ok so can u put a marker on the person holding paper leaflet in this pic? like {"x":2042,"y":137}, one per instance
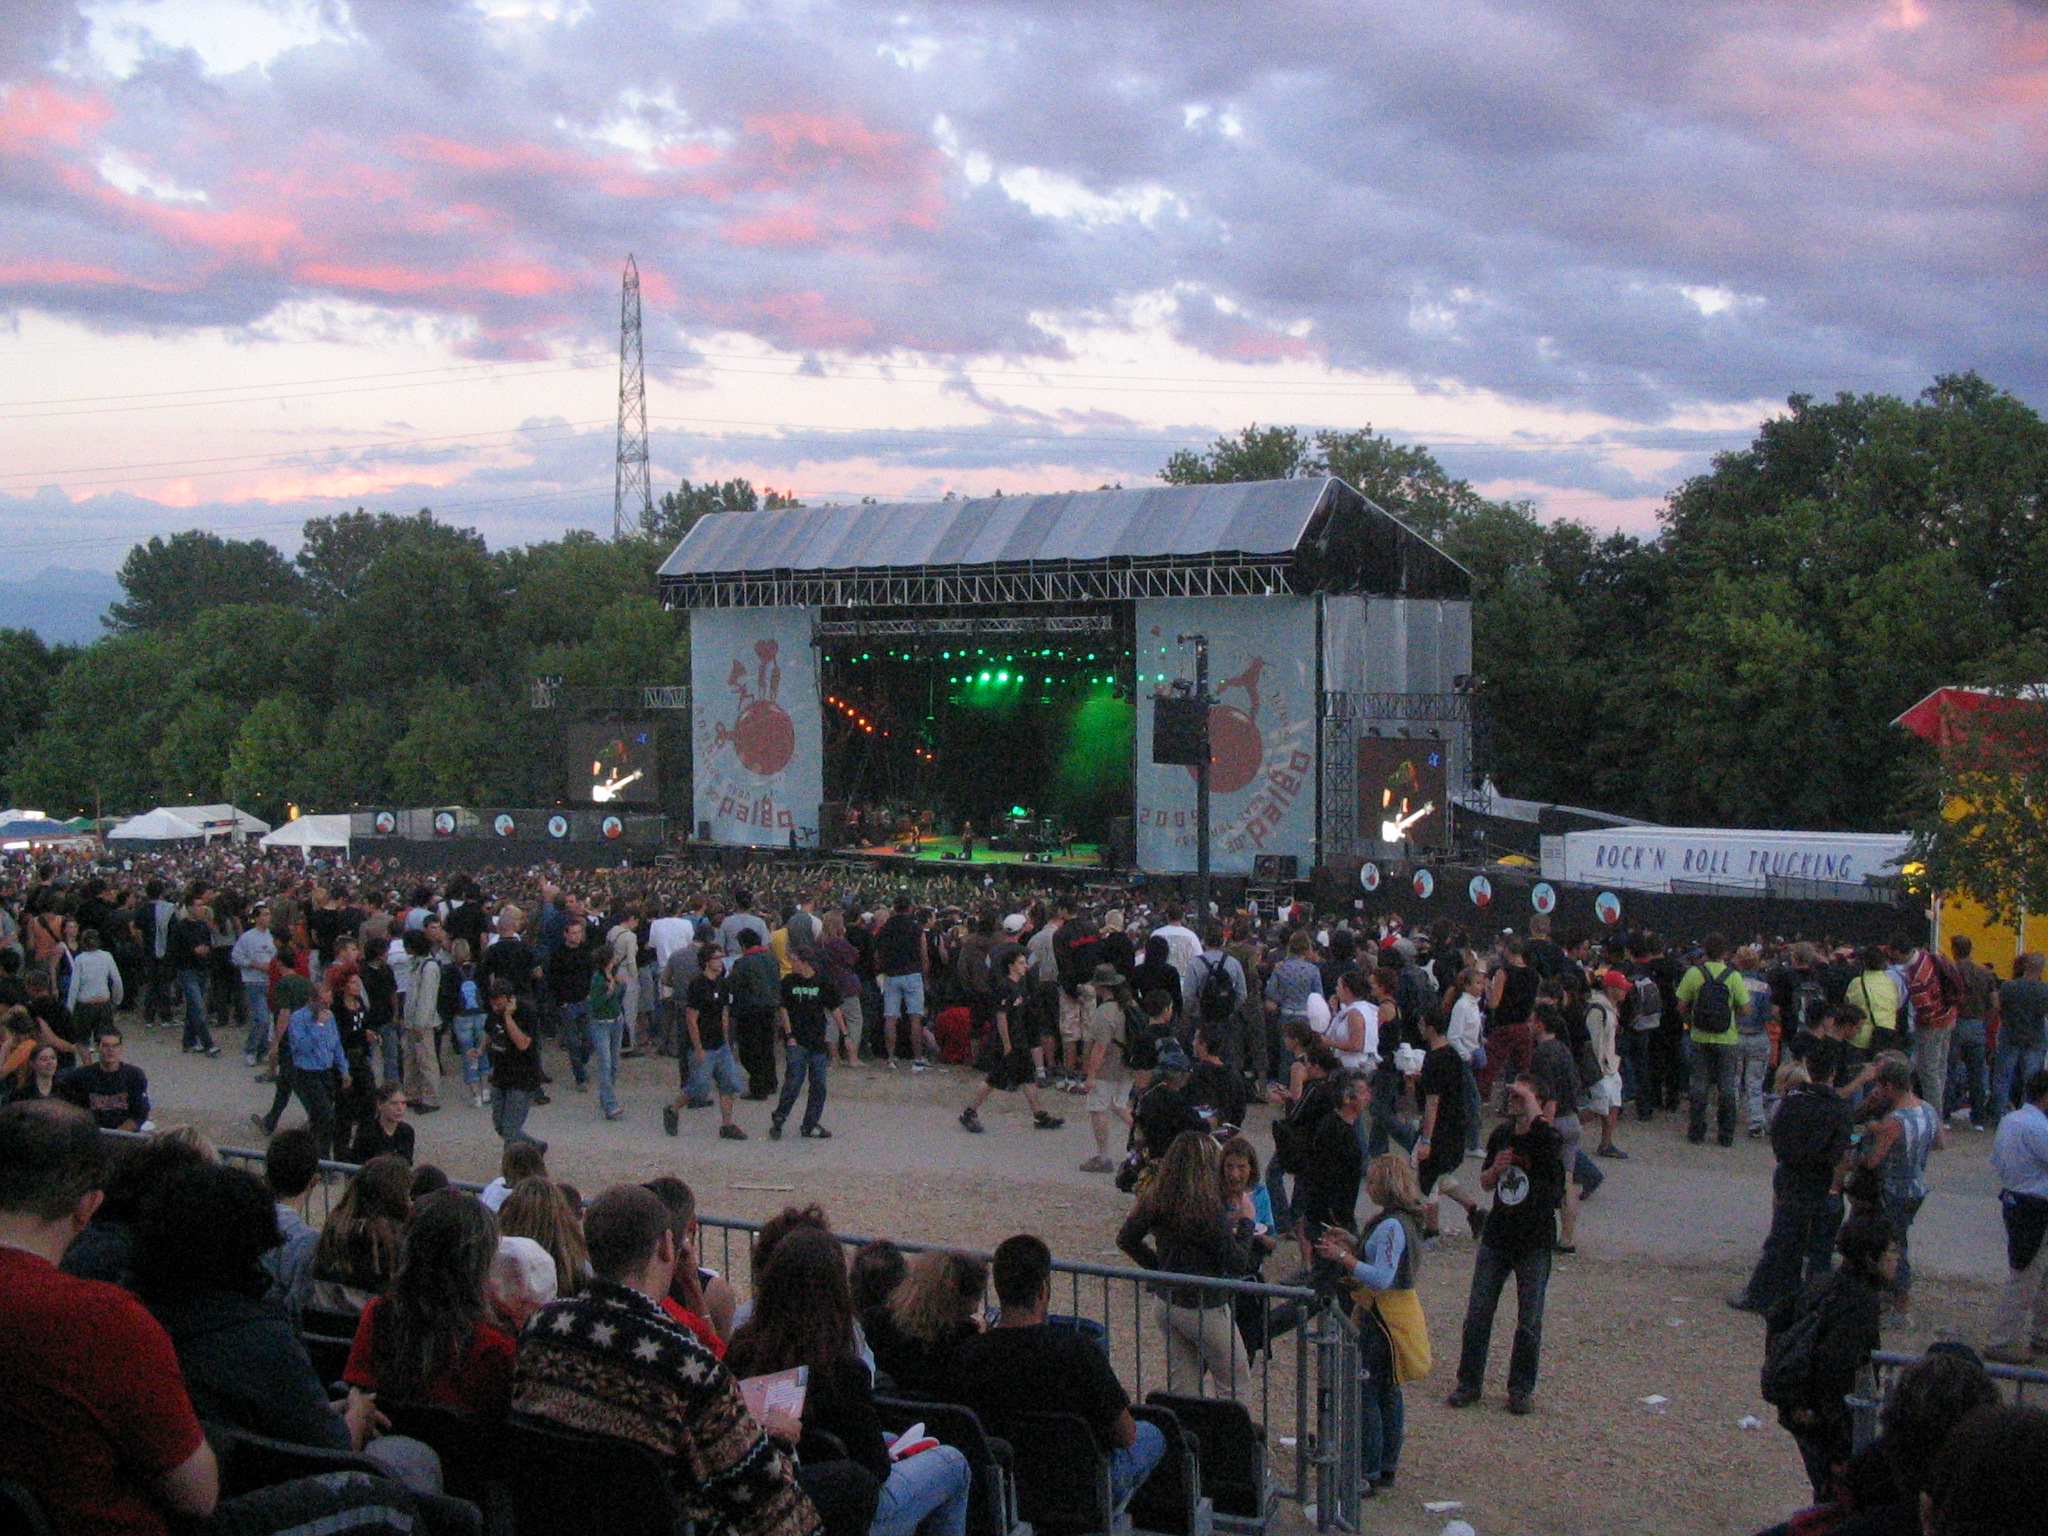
{"x":803,"y":1317}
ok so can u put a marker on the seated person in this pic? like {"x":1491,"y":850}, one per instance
{"x":522,"y":1281}
{"x":803,"y":1316}
{"x":242,"y":1361}
{"x":918,"y":1332}
{"x":522,"y":1160}
{"x":357,"y":1254}
{"x":1986,"y":1478}
{"x":1022,"y":1365}
{"x":610,"y":1362}
{"x":697,"y":1297}
{"x":94,"y":1421}
{"x":114,"y":1092}
{"x":429,"y":1339}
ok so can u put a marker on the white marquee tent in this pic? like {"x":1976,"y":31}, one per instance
{"x":309,"y":833}
{"x":157,"y":826}
{"x":181,"y":823}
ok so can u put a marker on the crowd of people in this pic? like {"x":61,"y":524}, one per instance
{"x":1389,"y":1059}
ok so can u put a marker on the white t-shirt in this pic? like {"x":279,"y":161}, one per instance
{"x":1368,"y":1014}
{"x":667,"y":935}
{"x":1467,"y":1028}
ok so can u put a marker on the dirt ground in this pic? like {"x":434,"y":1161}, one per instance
{"x":1623,"y":1324}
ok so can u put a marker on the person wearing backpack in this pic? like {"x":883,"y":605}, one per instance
{"x":1819,"y":1339}
{"x":462,"y":1000}
{"x":1711,"y":995}
{"x":1219,"y":993}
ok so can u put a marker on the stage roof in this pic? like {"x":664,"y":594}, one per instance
{"x":1241,"y":539}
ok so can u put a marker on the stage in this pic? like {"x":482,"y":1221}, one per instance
{"x":946,"y":851}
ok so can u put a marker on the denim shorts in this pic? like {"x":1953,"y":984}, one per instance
{"x":903,"y":994}
{"x":718,"y":1067}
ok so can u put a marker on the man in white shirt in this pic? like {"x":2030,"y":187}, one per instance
{"x":670,"y":935}
{"x":1182,"y":948}
{"x":2020,"y":1329}
{"x":1467,"y":1034}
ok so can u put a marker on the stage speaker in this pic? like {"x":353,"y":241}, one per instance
{"x":833,"y":827}
{"x":1275,"y":866}
{"x":1180,"y":733}
{"x":703,"y":831}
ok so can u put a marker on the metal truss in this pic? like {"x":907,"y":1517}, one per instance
{"x":1424,"y":708}
{"x":550,"y":693}
{"x":1065,"y":581}
{"x":1340,"y":787}
{"x":953,"y":627}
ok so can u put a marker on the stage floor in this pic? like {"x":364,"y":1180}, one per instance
{"x":936,"y":850}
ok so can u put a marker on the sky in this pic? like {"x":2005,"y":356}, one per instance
{"x":266,"y":259}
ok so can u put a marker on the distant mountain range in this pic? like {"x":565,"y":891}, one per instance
{"x":59,"y":603}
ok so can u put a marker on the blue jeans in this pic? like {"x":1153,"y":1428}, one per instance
{"x":258,"y":1042}
{"x":718,"y":1069}
{"x":2015,"y":1065}
{"x":802,"y":1063}
{"x":1383,"y":1415}
{"x":1968,"y":1074}
{"x":1383,"y":1125}
{"x":573,"y":1020}
{"x":1471,"y":1108}
{"x":1899,"y":1210}
{"x":391,"y":1050}
{"x":607,"y":1037}
{"x":198,"y":1029}
{"x":469,"y":1039}
{"x":1490,"y":1272}
{"x":509,"y":1109}
{"x":927,"y":1491}
{"x":1276,"y":1191}
{"x":1129,"y":1467}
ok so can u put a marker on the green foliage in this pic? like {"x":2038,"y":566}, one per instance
{"x":1743,"y":667}
{"x":1984,"y":832}
{"x":263,"y":764}
{"x":452,"y":749}
{"x":679,"y":509}
{"x":97,"y":740}
{"x":27,"y":669}
{"x":190,"y":759}
{"x":171,"y":581}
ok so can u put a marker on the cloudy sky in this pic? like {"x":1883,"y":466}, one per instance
{"x":266,"y":258}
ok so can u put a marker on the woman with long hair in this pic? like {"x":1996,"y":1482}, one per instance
{"x":358,"y":1248}
{"x":803,"y":1316}
{"x":1393,"y":1334}
{"x":918,"y":1331}
{"x":537,"y":1209}
{"x":429,"y":1338}
{"x":1182,"y":1225}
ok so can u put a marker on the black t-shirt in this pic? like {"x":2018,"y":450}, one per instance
{"x":371,"y":1141}
{"x":1212,"y":1085}
{"x":182,"y":942}
{"x":896,"y":946}
{"x":380,"y":989}
{"x":807,"y":999}
{"x":1551,"y":1064}
{"x":1162,"y":1114}
{"x":512,"y":1067}
{"x":109,"y":1097}
{"x":2022,"y":1006}
{"x":468,"y":920}
{"x":1517,"y":995}
{"x":1327,"y":1190}
{"x":709,"y":1000}
{"x":1443,"y":1074}
{"x":1040,"y":1369}
{"x":514,"y":961}
{"x":350,"y":1024}
{"x":569,"y":968}
{"x":1831,"y":1062}
{"x":1526,"y":1198}
{"x":323,"y":927}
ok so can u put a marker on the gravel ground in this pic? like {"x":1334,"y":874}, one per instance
{"x":1638,"y":1312}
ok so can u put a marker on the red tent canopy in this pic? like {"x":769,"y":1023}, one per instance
{"x":1935,"y":718}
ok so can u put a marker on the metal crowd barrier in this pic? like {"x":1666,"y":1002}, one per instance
{"x":1874,"y":1384}
{"x":1304,"y":1389}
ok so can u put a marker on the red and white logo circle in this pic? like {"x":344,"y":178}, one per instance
{"x":1543,"y":898}
{"x":558,"y":826}
{"x":1369,"y":875}
{"x":1480,"y":890}
{"x":611,"y":826}
{"x":386,"y":823}
{"x":444,"y":823}
{"x":503,"y":825}
{"x":1607,"y":907}
{"x":1425,"y":884}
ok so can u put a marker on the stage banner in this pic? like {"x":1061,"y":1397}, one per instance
{"x":757,"y":739}
{"x":1262,"y":731}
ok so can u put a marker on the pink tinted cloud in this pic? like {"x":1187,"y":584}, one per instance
{"x":41,"y":115}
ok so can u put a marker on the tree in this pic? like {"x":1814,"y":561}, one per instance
{"x":97,"y":739}
{"x":243,"y":652}
{"x":1256,"y":453}
{"x":190,"y":759}
{"x":338,"y":554}
{"x":348,"y":767}
{"x":27,"y":669}
{"x":678,"y":510}
{"x":426,"y":606}
{"x":263,"y":765}
{"x":1984,"y":835}
{"x":450,"y":750}
{"x":171,"y":581}
{"x":1402,"y":479}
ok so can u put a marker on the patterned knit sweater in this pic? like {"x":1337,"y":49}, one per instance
{"x":611,"y":1362}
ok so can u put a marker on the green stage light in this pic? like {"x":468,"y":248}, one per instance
{"x":1002,"y":677}
{"x":984,"y":677}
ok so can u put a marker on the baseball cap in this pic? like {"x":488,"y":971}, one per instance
{"x":1614,"y":979}
{"x":1014,"y":923}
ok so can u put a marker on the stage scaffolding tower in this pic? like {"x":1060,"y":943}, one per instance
{"x":632,"y":491}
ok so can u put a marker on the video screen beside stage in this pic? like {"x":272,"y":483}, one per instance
{"x":1402,"y":787}
{"x":613,"y":763}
